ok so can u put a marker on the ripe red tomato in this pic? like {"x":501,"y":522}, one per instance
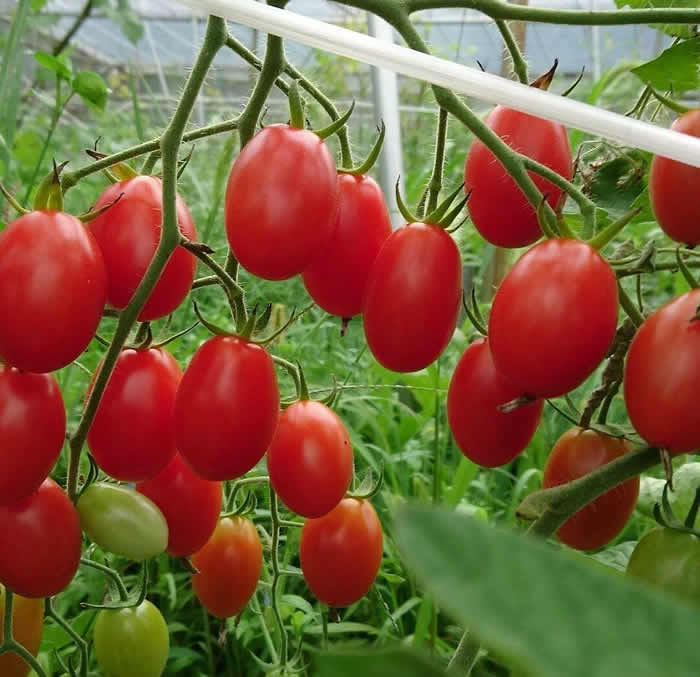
{"x":281,"y":201}
{"x":412,"y":300}
{"x":310,"y":459}
{"x":27,"y":628}
{"x":227,"y":408}
{"x":670,"y":185}
{"x":133,"y":434}
{"x":577,"y":453}
{"x":190,"y":504}
{"x":41,"y":542}
{"x":484,"y":434}
{"x":229,"y":567}
{"x":338,"y":275}
{"x":662,"y":376}
{"x":341,"y":552}
{"x":553,"y":318}
{"x":128,"y":234}
{"x":52,"y":290}
{"x":499,"y":209}
{"x":32,"y":430}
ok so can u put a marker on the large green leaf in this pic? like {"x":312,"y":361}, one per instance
{"x":547,"y":614}
{"x":61,"y":67}
{"x":672,"y":29}
{"x":377,"y":664}
{"x":676,"y":69}
{"x":91,"y":88}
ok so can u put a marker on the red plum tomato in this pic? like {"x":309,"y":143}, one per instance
{"x":673,"y":187}
{"x":133,"y":434}
{"x":577,"y":453}
{"x":413,"y":295}
{"x":32,"y":430}
{"x":662,"y":376}
{"x":190,"y":504}
{"x":41,"y":543}
{"x":229,"y":567}
{"x":227,"y":408}
{"x":484,"y":434}
{"x":128,"y":234}
{"x":52,"y":290}
{"x":310,"y":460}
{"x":341,"y":552}
{"x":498,"y":208}
{"x":27,"y":628}
{"x":337,"y":277}
{"x":553,"y":318}
{"x":281,"y":201}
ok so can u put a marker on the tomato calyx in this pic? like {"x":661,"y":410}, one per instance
{"x":369,"y":486}
{"x":336,"y":125}
{"x":602,"y":238}
{"x":126,"y":600}
{"x":472,"y":311}
{"x":372,"y":156}
{"x":517,"y":403}
{"x":545,"y":80}
{"x":121,"y":171}
{"x":49,"y":195}
{"x":92,"y":214}
{"x":442,"y":216}
{"x":665,"y":516}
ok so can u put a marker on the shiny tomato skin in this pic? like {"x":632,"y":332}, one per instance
{"x":227,"y":408}
{"x":577,"y":453}
{"x":662,"y":376}
{"x":32,"y":430}
{"x":413,"y":295}
{"x":498,"y":208}
{"x":131,"y":642}
{"x":554,"y":317}
{"x":128,"y":234}
{"x":52,"y":290}
{"x":310,"y":460}
{"x":190,"y":504}
{"x":281,"y":201}
{"x":133,"y":434}
{"x":27,"y":628}
{"x":41,"y":544}
{"x":341,"y":552}
{"x":338,"y":275}
{"x":484,"y":434}
{"x":671,"y":184}
{"x":229,"y":567}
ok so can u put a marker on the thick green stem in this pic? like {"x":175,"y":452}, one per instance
{"x":519,"y":64}
{"x":276,"y":576}
{"x":435,"y":185}
{"x":214,"y":39}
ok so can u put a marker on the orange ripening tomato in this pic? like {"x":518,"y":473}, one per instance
{"x":27,"y":626}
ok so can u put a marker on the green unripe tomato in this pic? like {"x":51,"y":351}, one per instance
{"x":122,"y":521}
{"x":131,"y":642}
{"x":669,"y":560}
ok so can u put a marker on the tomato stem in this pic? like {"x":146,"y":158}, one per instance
{"x":12,"y":201}
{"x":296,"y":106}
{"x":50,"y":612}
{"x":519,"y":63}
{"x":435,"y":183}
{"x":276,"y":575}
{"x":371,"y":158}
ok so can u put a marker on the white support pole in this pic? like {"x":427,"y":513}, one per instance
{"x":386,"y":107}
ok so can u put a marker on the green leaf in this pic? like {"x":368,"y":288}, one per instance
{"x":677,"y":68}
{"x":37,"y":5}
{"x":60,"y":67}
{"x":549,"y":615}
{"x":127,"y":20}
{"x":91,"y":88}
{"x":377,"y":664}
{"x":681,"y":30}
{"x":618,"y":183}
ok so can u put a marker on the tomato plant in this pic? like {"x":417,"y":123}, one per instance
{"x":27,"y":628}
{"x":413,"y":295}
{"x":670,"y":184}
{"x":41,"y":544}
{"x":553,"y":318}
{"x":229,"y":567}
{"x":310,"y":459}
{"x":227,"y":407}
{"x":498,"y":208}
{"x":281,"y":201}
{"x":662,"y":376}
{"x":483,"y":433}
{"x":341,"y":552}
{"x":131,"y":642}
{"x":577,"y":453}
{"x":190,"y":505}
{"x":141,"y":390}
{"x":337,"y":277}
{"x":128,"y":234}
{"x":29,"y":451}
{"x":50,"y":303}
{"x":122,"y":521}
{"x":669,"y":560}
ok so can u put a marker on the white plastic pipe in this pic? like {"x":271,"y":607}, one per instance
{"x":459,"y":78}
